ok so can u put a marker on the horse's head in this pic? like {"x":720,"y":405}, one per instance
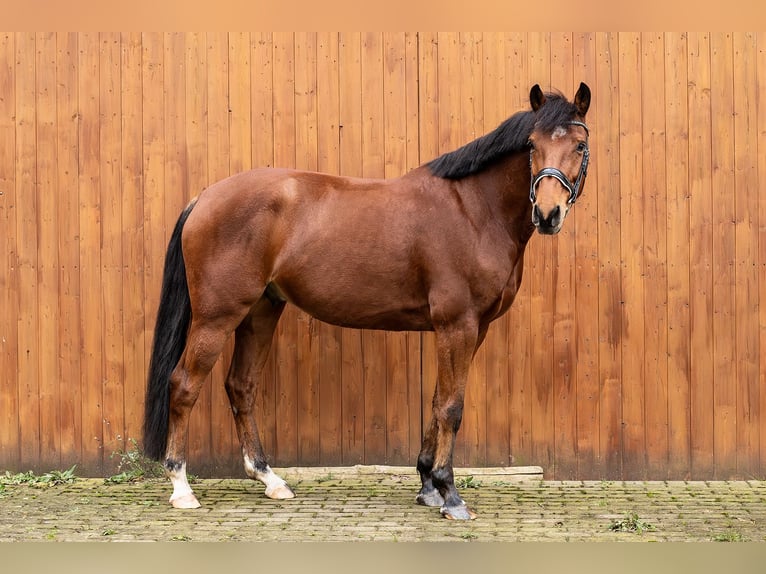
{"x":558,"y":155}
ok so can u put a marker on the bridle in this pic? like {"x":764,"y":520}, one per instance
{"x":574,"y":190}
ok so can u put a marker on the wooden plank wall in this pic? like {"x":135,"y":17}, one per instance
{"x":633,"y":349}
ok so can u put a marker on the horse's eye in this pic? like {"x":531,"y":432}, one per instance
{"x":531,"y":145}
{"x":581,"y":147}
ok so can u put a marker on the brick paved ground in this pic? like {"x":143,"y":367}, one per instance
{"x":374,"y":504}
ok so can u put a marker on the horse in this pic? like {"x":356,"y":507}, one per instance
{"x":439,"y":249}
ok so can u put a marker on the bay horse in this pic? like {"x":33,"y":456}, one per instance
{"x":439,"y":249}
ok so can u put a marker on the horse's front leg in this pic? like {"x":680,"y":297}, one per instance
{"x":456,"y":344}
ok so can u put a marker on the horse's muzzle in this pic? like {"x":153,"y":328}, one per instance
{"x":550,"y":224}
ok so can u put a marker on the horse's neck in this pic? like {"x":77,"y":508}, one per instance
{"x":506,"y":186}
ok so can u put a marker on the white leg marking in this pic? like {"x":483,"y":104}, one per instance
{"x":182,"y":496}
{"x":276,"y":487}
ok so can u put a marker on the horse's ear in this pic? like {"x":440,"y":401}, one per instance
{"x":536,"y":97}
{"x":582,"y":99}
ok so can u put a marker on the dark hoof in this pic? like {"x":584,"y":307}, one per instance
{"x":460,"y":512}
{"x":429,"y":498}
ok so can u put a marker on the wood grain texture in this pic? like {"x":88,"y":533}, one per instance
{"x":678,"y":254}
{"x":700,"y":256}
{"x":10,"y":424}
{"x":655,"y":379}
{"x":633,"y":349}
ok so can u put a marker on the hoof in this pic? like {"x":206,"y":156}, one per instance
{"x":280,"y":492}
{"x":461,"y":512}
{"x":185,"y":501}
{"x":429,"y":498}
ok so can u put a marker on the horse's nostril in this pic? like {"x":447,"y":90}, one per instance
{"x":552,"y":220}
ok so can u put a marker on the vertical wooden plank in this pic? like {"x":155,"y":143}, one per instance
{"x":111,"y":247}
{"x":471,"y":105}
{"x":394,"y":165}
{"x":450,"y":133}
{"x":10,"y":438}
{"x":428,"y":117}
{"x":350,"y":96}
{"x":760,"y":59}
{"x":91,"y":312}
{"x":223,"y":434}
{"x":373,"y":166}
{"x":678,"y":245}
{"x":284,"y":96}
{"x":539,"y":270}
{"x":519,"y":316}
{"x":308,"y":328}
{"x":700,"y":255}
{"x":586,"y":283}
{"x":240,"y":128}
{"x":746,"y":193}
{"x":200,"y":446}
{"x":633,"y":258}
{"x":724,"y":212}
{"x":414,"y":347}
{"x":261,"y":99}
{"x":288,"y":331}
{"x":174,"y":110}
{"x":240,"y":159}
{"x":26,"y":244}
{"x":655,"y":253}
{"x":47,"y":269}
{"x":174,"y":125}
{"x":495,"y":107}
{"x":261,"y":104}
{"x":450,"y":137}
{"x":606,"y":156}
{"x":328,"y":161}
{"x":133,"y":288}
{"x":153,"y":150}
{"x":564,"y":299}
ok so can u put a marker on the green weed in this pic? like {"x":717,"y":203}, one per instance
{"x":464,"y":535}
{"x":52,"y":478}
{"x":467,"y":482}
{"x":728,"y":536}
{"x":134,"y":466}
{"x":631,"y":523}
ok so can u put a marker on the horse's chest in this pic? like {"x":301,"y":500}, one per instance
{"x":505,"y":292}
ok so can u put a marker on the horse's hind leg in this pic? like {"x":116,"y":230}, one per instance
{"x":251,"y":349}
{"x":203,"y":346}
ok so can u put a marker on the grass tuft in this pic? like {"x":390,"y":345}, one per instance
{"x":467,"y":482}
{"x":52,"y":478}
{"x":134,"y":466}
{"x":631,"y":523}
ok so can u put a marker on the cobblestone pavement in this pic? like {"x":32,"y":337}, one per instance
{"x":375,"y":503}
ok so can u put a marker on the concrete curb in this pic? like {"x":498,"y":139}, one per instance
{"x":503,"y":473}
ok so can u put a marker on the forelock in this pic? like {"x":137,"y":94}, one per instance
{"x":557,"y":112}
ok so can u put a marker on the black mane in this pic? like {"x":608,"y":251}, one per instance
{"x":510,"y":136}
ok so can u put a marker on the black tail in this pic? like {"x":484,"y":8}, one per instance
{"x":173,"y":317}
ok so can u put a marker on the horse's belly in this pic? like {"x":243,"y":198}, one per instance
{"x":361,"y":309}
